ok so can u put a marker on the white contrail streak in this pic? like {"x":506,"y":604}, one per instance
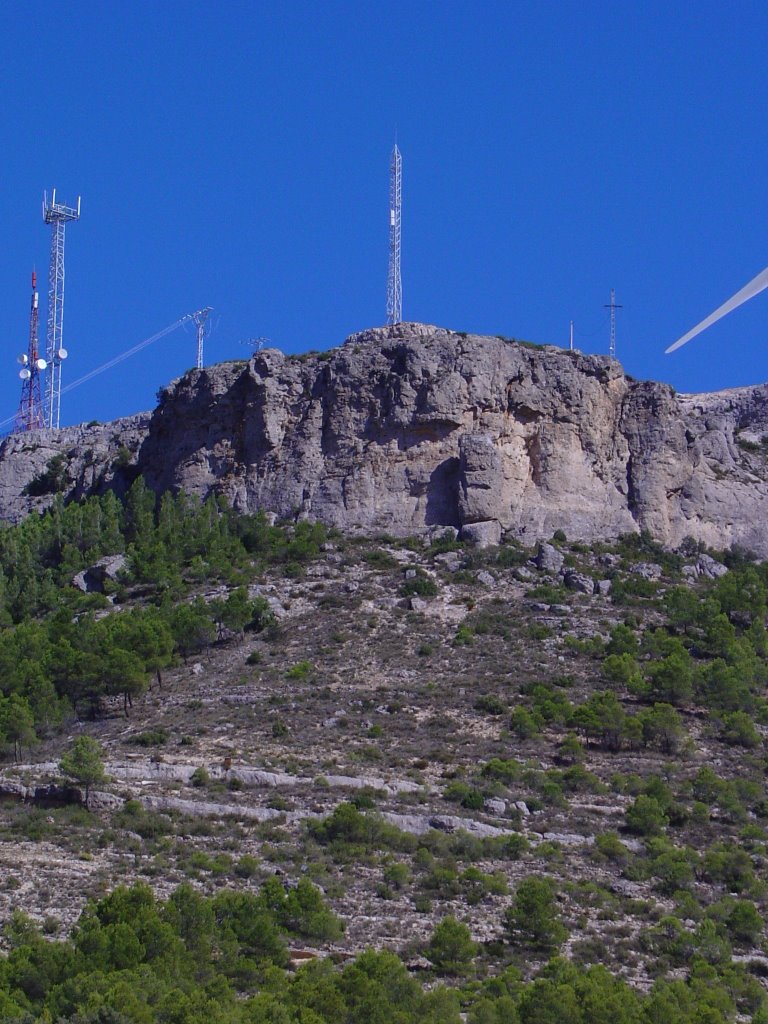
{"x":756,"y":285}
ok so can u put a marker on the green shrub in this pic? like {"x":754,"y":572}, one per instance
{"x":150,"y":738}
{"x":570,"y":750}
{"x":419,"y":586}
{"x":506,"y":771}
{"x":623,"y":641}
{"x":347,"y":828}
{"x":247,"y":866}
{"x":490,"y":704}
{"x":451,"y":948}
{"x":464,"y":794}
{"x":523,"y":724}
{"x":464,"y":636}
{"x":738,"y":730}
{"x":645,"y":817}
{"x":301,"y":671}
{"x":52,"y":480}
{"x":623,"y":671}
{"x":533,"y":919}
{"x":396,"y":875}
{"x":611,"y":847}
{"x":380,"y":559}
{"x":662,"y":726}
{"x":200,"y":777}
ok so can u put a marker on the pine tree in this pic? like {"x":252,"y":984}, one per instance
{"x":83,"y":763}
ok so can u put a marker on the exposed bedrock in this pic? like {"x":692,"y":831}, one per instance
{"x":413,"y":426}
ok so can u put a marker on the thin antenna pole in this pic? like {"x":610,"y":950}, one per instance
{"x":613,"y":307}
{"x":571,"y":337}
{"x":394,"y":280}
{"x":56,"y":215}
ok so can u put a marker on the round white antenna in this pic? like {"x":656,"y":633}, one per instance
{"x":25,"y":374}
{"x":22,"y":359}
{"x":40,"y":364}
{"x":62,"y":353}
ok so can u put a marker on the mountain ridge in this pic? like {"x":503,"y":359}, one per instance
{"x":408,"y":427}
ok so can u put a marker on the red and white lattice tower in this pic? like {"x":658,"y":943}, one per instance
{"x":31,"y":415}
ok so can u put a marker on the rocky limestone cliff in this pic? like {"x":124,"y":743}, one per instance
{"x":412,"y":426}
{"x":74,"y":461}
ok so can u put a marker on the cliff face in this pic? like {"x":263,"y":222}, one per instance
{"x":411,"y":426}
{"x":74,"y":461}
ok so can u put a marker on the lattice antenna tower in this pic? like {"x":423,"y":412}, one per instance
{"x":394,"y":280}
{"x":31,"y":414}
{"x":56,"y":215}
{"x":200,"y":319}
{"x":255,"y":344}
{"x":613,"y":307}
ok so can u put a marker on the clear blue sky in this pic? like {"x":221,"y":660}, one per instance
{"x":236,"y":155}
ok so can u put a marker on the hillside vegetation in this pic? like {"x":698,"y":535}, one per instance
{"x":512,"y":786}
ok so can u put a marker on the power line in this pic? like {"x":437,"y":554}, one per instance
{"x":119,"y":359}
{"x":128,"y":354}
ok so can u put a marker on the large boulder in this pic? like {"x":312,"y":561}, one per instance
{"x":579,"y":582}
{"x":482,"y":535}
{"x":549,"y":559}
{"x":93,"y":579}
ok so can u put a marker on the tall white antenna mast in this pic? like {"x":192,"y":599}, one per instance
{"x":394,"y":281}
{"x":755,"y":286}
{"x":200,"y":318}
{"x":570,"y":345}
{"x":57,"y":215}
{"x":613,"y":307}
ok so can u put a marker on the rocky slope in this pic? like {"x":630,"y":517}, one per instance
{"x":405,"y":706}
{"x":410,"y":426}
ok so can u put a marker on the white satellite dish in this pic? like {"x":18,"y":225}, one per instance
{"x":755,"y":286}
{"x":40,"y":364}
{"x":22,"y":359}
{"x":25,"y":374}
{"x":62,"y":353}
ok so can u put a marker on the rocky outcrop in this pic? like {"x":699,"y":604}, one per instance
{"x":409,"y":427}
{"x":94,"y":578}
{"x":37,"y":465}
